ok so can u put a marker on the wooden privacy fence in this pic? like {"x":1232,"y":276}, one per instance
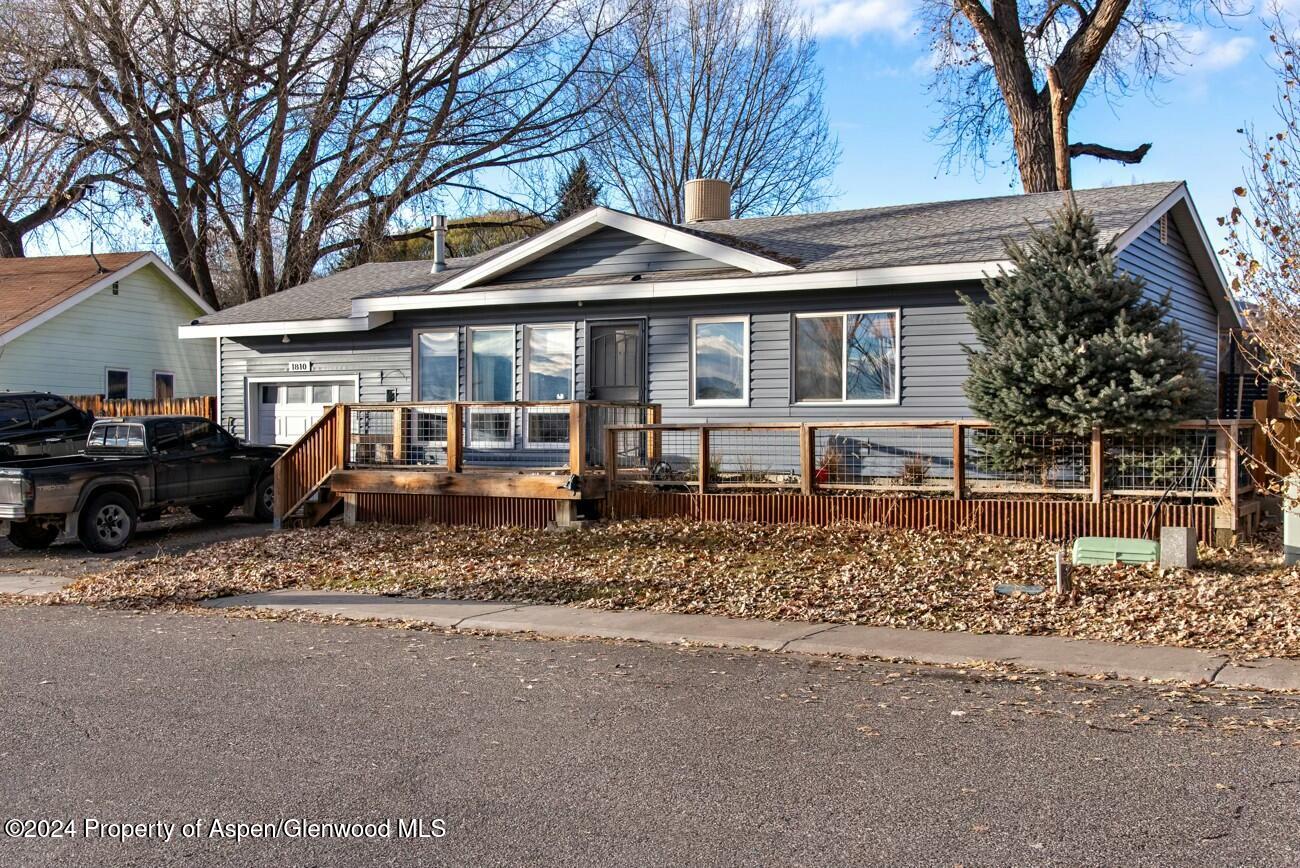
{"x":203,"y":405}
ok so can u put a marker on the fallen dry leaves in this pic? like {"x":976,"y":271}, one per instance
{"x":1242,"y":602}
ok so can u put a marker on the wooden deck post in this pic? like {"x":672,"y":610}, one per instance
{"x":654,"y":415}
{"x":455,"y":447}
{"x":1097,"y":466}
{"x":1225,"y":484}
{"x":280,"y":486}
{"x":704,"y":459}
{"x":807,"y":459}
{"x":341,"y":425}
{"x":958,"y":461}
{"x":577,"y":437}
{"x":611,"y":459}
{"x":399,"y":434}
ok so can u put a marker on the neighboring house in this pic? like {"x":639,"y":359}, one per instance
{"x":841,"y":315}
{"x":101,"y":325}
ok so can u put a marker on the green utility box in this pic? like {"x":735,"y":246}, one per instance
{"x":1102,"y":550}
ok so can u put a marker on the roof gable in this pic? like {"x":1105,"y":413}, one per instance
{"x":667,"y":243}
{"x":35,"y":289}
{"x":609,"y":251}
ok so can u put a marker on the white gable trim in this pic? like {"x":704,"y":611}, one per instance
{"x":569,"y":231}
{"x":650,"y":288}
{"x":1179,"y":206}
{"x":103,"y":284}
{"x":362,"y":323}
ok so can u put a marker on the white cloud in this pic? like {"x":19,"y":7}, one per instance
{"x":1210,"y":55}
{"x":852,"y":19}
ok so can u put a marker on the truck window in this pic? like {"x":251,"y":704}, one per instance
{"x":13,"y":414}
{"x":50,"y":413}
{"x":167,"y":438}
{"x":126,"y":436}
{"x":202,"y":436}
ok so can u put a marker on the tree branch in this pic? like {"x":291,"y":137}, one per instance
{"x":1101,"y":152}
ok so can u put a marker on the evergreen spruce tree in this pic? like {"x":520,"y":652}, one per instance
{"x":1069,"y":342}
{"x":578,"y":192}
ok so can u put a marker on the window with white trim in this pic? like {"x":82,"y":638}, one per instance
{"x":491,"y":378}
{"x":720,"y":360}
{"x":846,"y":357}
{"x":116,"y":383}
{"x":548,"y":376}
{"x":437,"y":364}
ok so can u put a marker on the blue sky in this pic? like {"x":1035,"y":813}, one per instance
{"x":878,"y":105}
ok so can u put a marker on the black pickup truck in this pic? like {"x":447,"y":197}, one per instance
{"x":134,"y":468}
{"x":40,"y":425}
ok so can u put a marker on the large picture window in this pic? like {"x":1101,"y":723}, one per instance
{"x":436,"y":364}
{"x":548,"y":362}
{"x":491,"y":378}
{"x":846,"y":357}
{"x":720,"y":360}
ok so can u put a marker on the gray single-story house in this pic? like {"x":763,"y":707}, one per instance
{"x":844,"y":315}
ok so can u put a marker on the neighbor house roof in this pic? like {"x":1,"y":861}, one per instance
{"x":892,"y":241}
{"x":36,"y":288}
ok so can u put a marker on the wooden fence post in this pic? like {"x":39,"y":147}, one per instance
{"x":958,"y":461}
{"x":1225,"y":484}
{"x":704,"y":459}
{"x":455,"y":447}
{"x":1097,"y":466}
{"x":341,"y":422}
{"x":399,"y":434}
{"x":807,"y":459}
{"x":577,"y":437}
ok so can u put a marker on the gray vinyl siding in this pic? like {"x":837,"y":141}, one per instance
{"x":1167,"y":267}
{"x":610,"y":251}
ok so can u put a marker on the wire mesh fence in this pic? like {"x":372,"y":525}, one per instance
{"x":1012,"y":462}
{"x":753,"y":458}
{"x":1179,"y":462}
{"x":667,"y":459}
{"x":398,"y":436}
{"x":884,"y":458}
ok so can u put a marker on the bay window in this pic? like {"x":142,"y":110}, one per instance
{"x":720,"y":360}
{"x":846,"y":357}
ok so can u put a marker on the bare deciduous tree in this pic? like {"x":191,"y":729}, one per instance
{"x":724,"y":89}
{"x":293,"y":131}
{"x":48,"y":162}
{"x":1019,"y":68}
{"x":1264,"y":241}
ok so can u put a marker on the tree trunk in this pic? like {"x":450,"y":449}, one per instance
{"x":11,"y":241}
{"x":1035,"y":153}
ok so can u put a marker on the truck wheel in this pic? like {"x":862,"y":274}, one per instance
{"x":212,"y":511}
{"x":107,"y":523}
{"x":27,"y":535}
{"x":264,"y":499}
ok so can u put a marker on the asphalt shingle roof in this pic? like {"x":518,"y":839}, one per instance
{"x":932,"y":233}
{"x":31,"y":285}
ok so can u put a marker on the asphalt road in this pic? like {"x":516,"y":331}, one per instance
{"x":589,"y":753}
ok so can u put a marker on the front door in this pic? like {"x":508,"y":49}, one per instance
{"x":616,"y":361}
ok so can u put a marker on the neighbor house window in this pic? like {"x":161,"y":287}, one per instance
{"x":846,"y":357}
{"x":115,"y":383}
{"x":491,"y":378}
{"x":548,"y":376}
{"x":720,"y":360}
{"x":164,"y":385}
{"x":436,"y":357}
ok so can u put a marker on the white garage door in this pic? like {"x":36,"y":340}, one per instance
{"x":286,"y":410}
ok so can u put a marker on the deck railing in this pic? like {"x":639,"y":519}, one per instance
{"x":305,"y":465}
{"x":960,"y":458}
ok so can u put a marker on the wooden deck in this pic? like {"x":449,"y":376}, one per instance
{"x":433,"y":462}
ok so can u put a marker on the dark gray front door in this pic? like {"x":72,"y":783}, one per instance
{"x":616,"y":361}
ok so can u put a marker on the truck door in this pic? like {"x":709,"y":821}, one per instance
{"x":215,"y":473}
{"x":171,"y":462}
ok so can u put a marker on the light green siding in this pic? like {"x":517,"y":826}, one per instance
{"x":134,"y":330}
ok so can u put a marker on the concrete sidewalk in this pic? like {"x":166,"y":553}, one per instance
{"x":23,"y":585}
{"x":1045,"y":653}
